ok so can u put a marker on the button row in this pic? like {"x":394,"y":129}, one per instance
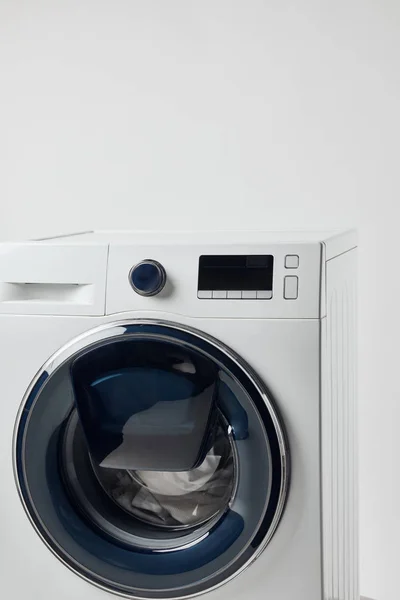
{"x":236,"y":294}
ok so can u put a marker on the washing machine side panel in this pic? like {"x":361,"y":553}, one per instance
{"x":339,"y":431}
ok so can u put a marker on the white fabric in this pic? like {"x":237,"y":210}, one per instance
{"x":182,"y":483}
{"x":172,"y":499}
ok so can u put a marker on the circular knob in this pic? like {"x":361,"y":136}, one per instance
{"x":147,"y":277}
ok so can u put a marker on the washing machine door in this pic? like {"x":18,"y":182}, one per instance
{"x":150,"y":459}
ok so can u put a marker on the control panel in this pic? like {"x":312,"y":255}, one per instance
{"x":236,"y":277}
{"x":221,"y":280}
{"x":244,"y":277}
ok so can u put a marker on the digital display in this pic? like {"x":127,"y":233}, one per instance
{"x":240,"y":272}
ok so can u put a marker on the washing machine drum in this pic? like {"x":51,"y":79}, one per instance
{"x":151,"y":460}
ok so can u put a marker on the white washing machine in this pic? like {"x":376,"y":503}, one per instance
{"x":178,"y":413}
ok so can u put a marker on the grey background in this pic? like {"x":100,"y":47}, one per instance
{"x":222,"y":114}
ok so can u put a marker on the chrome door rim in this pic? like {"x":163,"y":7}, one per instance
{"x":102,"y":333}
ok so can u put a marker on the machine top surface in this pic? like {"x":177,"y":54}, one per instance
{"x":336,"y":241}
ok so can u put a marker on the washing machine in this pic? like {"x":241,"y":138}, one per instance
{"x":178,"y":416}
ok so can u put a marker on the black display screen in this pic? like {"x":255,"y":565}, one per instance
{"x":240,"y":272}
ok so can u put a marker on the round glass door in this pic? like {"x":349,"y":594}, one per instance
{"x":151,"y":460}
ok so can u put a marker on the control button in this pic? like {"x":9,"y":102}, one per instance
{"x":264,"y":294}
{"x":147,"y":278}
{"x":234,"y":294}
{"x":291,"y":261}
{"x":219,"y":294}
{"x":204,"y":294}
{"x":291,"y":286}
{"x":248,"y":294}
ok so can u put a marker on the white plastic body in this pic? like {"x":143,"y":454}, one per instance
{"x":303,"y":350}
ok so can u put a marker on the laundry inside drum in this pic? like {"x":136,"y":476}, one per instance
{"x":176,"y":500}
